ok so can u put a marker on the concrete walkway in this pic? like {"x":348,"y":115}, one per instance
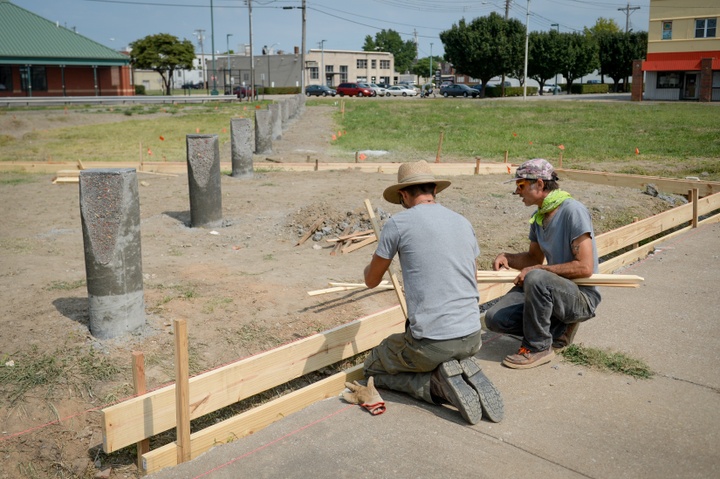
{"x":562,"y":421}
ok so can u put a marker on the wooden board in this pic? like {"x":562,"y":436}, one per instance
{"x":253,"y":420}
{"x":665,"y":185}
{"x":145,"y":416}
{"x":600,"y":279}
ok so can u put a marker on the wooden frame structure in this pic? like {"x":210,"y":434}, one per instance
{"x":148,"y":414}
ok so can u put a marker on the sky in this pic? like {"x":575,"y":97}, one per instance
{"x":336,"y":24}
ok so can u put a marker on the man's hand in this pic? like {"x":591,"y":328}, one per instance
{"x":366,"y":396}
{"x":501,"y":262}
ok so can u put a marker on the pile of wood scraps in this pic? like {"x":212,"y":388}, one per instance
{"x":347,"y":243}
{"x":337,"y":287}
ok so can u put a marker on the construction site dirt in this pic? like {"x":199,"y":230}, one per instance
{"x":242,"y":288}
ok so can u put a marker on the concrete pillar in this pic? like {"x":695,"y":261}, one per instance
{"x":203,"y":165}
{"x":636,"y":93}
{"x":706,"y":80}
{"x":263,"y":132}
{"x":276,"y":120}
{"x":285,"y":114}
{"x":110,"y":216}
{"x":241,"y":147}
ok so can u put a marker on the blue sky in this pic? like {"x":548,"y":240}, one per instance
{"x":343,"y":24}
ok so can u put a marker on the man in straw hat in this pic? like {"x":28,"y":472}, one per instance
{"x":545,"y":306}
{"x":434,"y":359}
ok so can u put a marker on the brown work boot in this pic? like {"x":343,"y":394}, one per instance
{"x":566,"y":338}
{"x":448,"y":386}
{"x":525,"y":359}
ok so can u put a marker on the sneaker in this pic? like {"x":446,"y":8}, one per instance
{"x":566,"y":338}
{"x":447,"y":384}
{"x":525,"y":359}
{"x":490,"y":398}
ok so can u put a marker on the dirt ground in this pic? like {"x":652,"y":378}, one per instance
{"x":242,"y":288}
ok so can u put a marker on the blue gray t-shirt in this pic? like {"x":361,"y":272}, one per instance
{"x":437,"y":249}
{"x":570,"y":221}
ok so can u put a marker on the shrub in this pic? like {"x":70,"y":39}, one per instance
{"x":139,"y":89}
{"x":584,"y":88}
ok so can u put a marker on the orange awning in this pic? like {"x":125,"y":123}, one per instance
{"x":679,"y":61}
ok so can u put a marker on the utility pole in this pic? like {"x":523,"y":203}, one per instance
{"x":227,"y":45}
{"x":252,"y":55}
{"x":507,"y":15}
{"x":199,"y":34}
{"x":555,"y":90}
{"x":527,"y":38}
{"x":212,"y":43}
{"x":416,"y":45}
{"x":302,"y":52}
{"x":628,"y":10}
{"x":323,"y":77}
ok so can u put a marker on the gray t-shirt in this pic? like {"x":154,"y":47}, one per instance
{"x":437,"y":249}
{"x":571,"y":221}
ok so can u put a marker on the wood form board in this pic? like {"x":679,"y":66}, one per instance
{"x":138,"y":418}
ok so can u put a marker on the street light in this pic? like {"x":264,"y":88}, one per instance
{"x":212,"y":41}
{"x":227,"y":46}
{"x":555,"y":90}
{"x":302,"y":48}
{"x":322,"y":61}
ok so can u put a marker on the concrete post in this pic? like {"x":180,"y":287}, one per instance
{"x":110,"y":216}
{"x":203,"y":165}
{"x":241,"y":147}
{"x":263,"y":132}
{"x":276,"y":121}
{"x":285,"y":114}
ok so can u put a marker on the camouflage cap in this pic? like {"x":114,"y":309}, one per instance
{"x":535,"y":169}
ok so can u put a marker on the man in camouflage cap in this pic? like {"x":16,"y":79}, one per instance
{"x":545,"y":306}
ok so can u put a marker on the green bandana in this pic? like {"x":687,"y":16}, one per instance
{"x":551,"y":201}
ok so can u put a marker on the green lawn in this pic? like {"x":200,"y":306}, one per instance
{"x":672,"y":139}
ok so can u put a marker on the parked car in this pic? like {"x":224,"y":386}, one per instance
{"x":192,"y":86}
{"x":353,"y":89}
{"x":548,"y":88}
{"x":593,"y":82}
{"x":458,"y":89}
{"x":242,"y":91}
{"x":365,"y":85}
{"x":319,"y":90}
{"x":383,"y":85}
{"x":380,"y":90}
{"x":400,"y":90}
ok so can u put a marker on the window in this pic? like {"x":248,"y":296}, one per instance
{"x":343,"y":73}
{"x":314,"y":73}
{"x":667,"y":31}
{"x":384,"y":64}
{"x":705,"y":27}
{"x":668,"y":80}
{"x":38,"y":78}
{"x":6,"y":84}
{"x":373,"y":64}
{"x":361,"y":64}
{"x":329,"y":69}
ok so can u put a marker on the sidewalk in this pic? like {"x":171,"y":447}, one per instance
{"x":561,"y":420}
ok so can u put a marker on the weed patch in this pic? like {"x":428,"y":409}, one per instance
{"x":607,"y":361}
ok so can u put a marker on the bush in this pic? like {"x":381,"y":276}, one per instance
{"x":280,"y":90}
{"x":496,"y":91}
{"x":139,"y":89}
{"x":589,"y":88}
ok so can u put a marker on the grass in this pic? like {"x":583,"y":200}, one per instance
{"x":607,"y":361}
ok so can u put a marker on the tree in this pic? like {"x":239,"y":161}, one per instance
{"x":486,"y":47}
{"x":390,"y":41}
{"x":602,"y":26}
{"x":422,"y":67}
{"x":163,"y":53}
{"x":580,"y":56}
{"x":617,"y":52}
{"x":545,"y":56}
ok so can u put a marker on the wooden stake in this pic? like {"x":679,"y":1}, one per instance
{"x":437,"y":157}
{"x":391,"y":270}
{"x":694,"y":197}
{"x":316,"y":165}
{"x":561,"y":154}
{"x":309,"y":232}
{"x":357,"y":153}
{"x":506,"y":156}
{"x":182,"y":391}
{"x":138,"y":371}
{"x":477,"y":166}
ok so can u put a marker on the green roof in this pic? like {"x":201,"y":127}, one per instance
{"x":26,"y":38}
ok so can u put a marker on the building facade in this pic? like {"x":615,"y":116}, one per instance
{"x":41,"y":58}
{"x":332,"y":67}
{"x":683,"y":56}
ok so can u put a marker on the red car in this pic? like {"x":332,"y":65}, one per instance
{"x":354,"y":89}
{"x":242,"y":91}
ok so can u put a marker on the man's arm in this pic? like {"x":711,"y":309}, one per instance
{"x":533,"y":256}
{"x":375,"y":271}
{"x":580,"y":267}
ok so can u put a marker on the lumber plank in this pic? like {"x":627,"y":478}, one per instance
{"x":310,"y":231}
{"x":358,"y":245}
{"x":635,"y":232}
{"x":150,"y":414}
{"x":598,"y":279}
{"x":666,"y":185}
{"x":253,"y":420}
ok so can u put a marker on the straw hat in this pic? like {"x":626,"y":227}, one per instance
{"x":410,"y":174}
